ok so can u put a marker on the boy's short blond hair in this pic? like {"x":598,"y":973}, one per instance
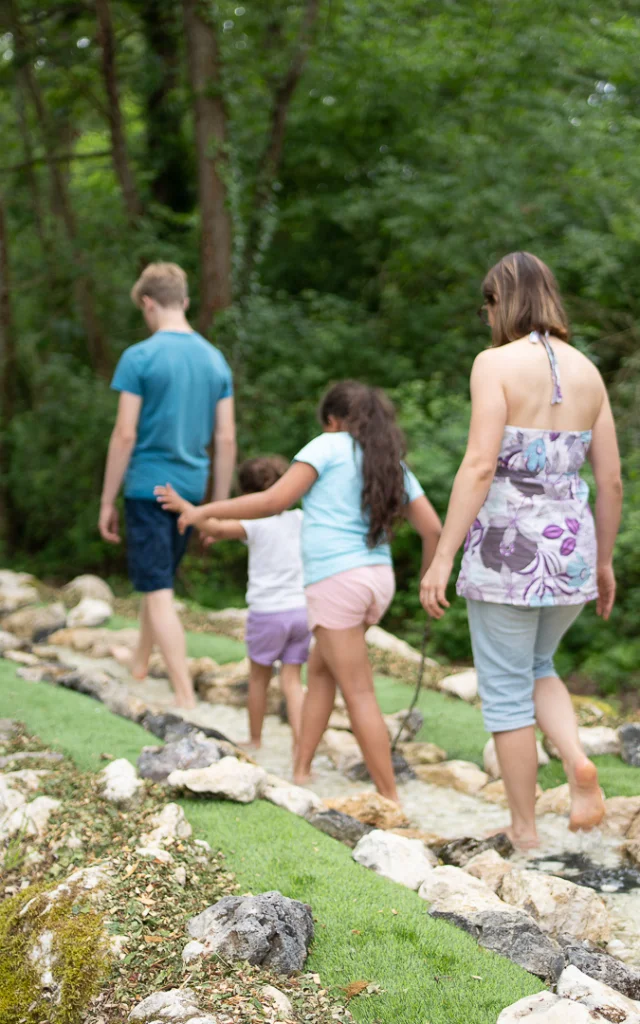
{"x":165,"y":283}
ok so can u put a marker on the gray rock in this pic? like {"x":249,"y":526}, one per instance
{"x":630,"y":738}
{"x":403,"y":771}
{"x":170,"y":727}
{"x":605,"y":968}
{"x":411,"y":722}
{"x":268,"y":929}
{"x":459,"y":851}
{"x":340,"y":826}
{"x":30,"y":755}
{"x":192,"y":751}
{"x":518,"y":937}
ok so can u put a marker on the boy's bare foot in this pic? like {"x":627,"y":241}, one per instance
{"x":522,"y":841}
{"x":250,"y":745}
{"x":587,"y":802}
{"x":126,"y":658}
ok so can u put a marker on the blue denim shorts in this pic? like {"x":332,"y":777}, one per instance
{"x":154,"y":546}
{"x":512,"y":647}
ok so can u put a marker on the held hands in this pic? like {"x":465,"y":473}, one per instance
{"x":606,"y":590}
{"x":171,"y":501}
{"x":433,"y":588}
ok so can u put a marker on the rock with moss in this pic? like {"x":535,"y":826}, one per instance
{"x":54,"y":952}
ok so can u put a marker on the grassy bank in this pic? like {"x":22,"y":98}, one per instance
{"x":367,"y":927}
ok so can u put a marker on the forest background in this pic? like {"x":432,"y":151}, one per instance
{"x":336,"y":176}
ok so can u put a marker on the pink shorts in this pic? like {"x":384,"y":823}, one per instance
{"x":356,"y":597}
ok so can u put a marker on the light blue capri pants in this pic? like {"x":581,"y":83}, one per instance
{"x":512,"y":647}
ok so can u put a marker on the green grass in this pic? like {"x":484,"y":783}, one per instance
{"x":199,"y":645}
{"x":425,"y":969}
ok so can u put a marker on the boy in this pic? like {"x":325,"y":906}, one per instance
{"x":176,"y":392}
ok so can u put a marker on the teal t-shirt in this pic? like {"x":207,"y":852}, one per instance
{"x":180,"y":378}
{"x":334,"y":531}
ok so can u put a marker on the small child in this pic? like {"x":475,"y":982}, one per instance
{"x":277,"y":626}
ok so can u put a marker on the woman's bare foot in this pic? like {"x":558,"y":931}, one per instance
{"x":522,"y":841}
{"x":126,"y":658}
{"x":587,"y":801}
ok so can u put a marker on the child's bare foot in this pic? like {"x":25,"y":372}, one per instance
{"x":302,"y":778}
{"x":126,"y":658}
{"x":250,"y":745}
{"x":186,"y":704}
{"x":587,"y":802}
{"x":522,"y":841}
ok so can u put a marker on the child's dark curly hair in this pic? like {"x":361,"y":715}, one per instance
{"x":369,"y":416}
{"x":261,"y":473}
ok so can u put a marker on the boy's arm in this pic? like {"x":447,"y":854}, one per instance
{"x":224,"y":449}
{"x":121,"y":445}
{"x":425,"y":521}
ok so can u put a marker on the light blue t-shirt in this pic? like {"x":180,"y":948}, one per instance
{"x":180,"y":378}
{"x":334,"y":532}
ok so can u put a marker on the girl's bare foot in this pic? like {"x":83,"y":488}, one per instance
{"x":126,"y":658}
{"x":186,"y":705}
{"x":587,"y":802}
{"x":522,"y":841}
{"x":302,"y":778}
{"x":250,"y":745}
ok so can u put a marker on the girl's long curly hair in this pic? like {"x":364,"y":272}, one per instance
{"x":370,"y":418}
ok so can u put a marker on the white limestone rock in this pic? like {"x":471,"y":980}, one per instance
{"x":453,"y":891}
{"x":463,"y":685}
{"x":31,"y":818}
{"x":465,"y":776}
{"x":192,"y":951}
{"x":176,"y":1004}
{"x":169,"y":825}
{"x":119,"y":782}
{"x":489,"y":867}
{"x":8,"y":641}
{"x":342,"y":749}
{"x":296,"y":799}
{"x":278,"y":999}
{"x":595,"y":740}
{"x":89,"y":612}
{"x":546,"y":1008}
{"x":406,"y":861}
{"x":560,"y":907}
{"x":378,"y":637}
{"x":490,"y":758}
{"x":228,"y":778}
{"x":554,"y":801}
{"x":598,"y":997}
{"x":87,"y":586}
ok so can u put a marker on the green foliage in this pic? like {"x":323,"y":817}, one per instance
{"x":423,"y":142}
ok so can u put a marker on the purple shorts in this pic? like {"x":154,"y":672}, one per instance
{"x":278,"y":636}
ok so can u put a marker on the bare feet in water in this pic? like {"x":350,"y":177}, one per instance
{"x":250,"y":745}
{"x":522,"y":841}
{"x":587,"y":802}
{"x":125,"y":657}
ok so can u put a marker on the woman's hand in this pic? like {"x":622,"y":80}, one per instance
{"x":606,"y":590}
{"x":433,"y":588}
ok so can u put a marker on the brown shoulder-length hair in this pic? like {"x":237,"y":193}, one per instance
{"x":524,"y":296}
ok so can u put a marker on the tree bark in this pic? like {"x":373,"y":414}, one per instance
{"x":122,"y":167}
{"x":272,"y":154}
{"x":98,"y":352}
{"x":8,"y":376}
{"x":205,"y":72}
{"x":169,"y":162}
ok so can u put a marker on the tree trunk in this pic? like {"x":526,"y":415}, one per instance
{"x":84,"y":292}
{"x":8,"y":378}
{"x":121,"y":163}
{"x":272,"y":154}
{"x":211,"y":133}
{"x":169,"y":162}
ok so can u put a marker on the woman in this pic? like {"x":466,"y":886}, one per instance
{"x":533,"y":556}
